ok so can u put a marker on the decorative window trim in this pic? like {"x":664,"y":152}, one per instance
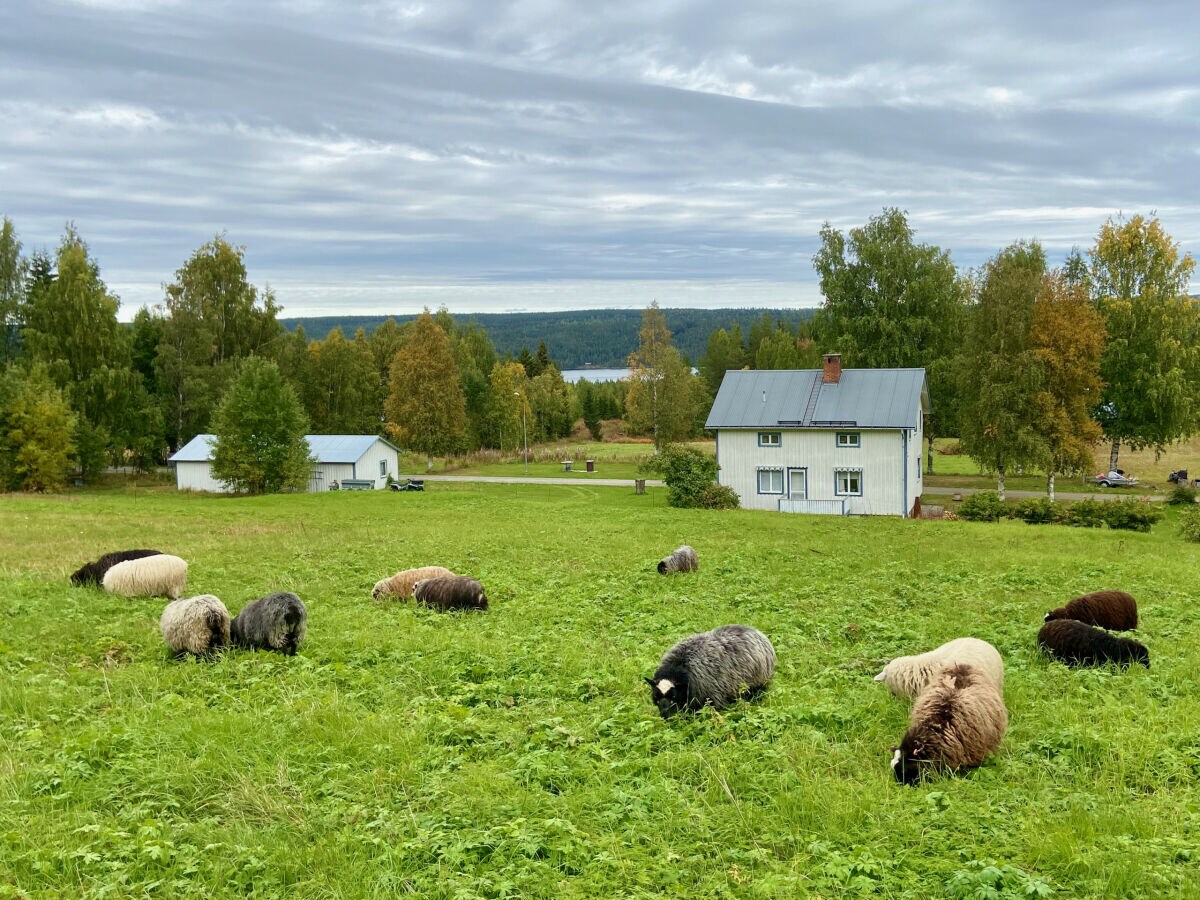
{"x":778,"y":470}
{"x":853,"y":440}
{"x":764,"y":439}
{"x":837,"y":482}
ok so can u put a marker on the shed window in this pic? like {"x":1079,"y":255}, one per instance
{"x":849,"y":439}
{"x":769,"y":438}
{"x":770,"y":481}
{"x":848,"y":483}
{"x":382,"y":467}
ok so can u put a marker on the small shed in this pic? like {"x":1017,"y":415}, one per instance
{"x":340,"y":457}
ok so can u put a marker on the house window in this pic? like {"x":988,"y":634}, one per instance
{"x":382,"y":467}
{"x":769,"y":438}
{"x":847,"y":482}
{"x":770,"y":481}
{"x":849,"y":439}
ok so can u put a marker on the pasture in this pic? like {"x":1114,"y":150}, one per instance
{"x":516,"y":753}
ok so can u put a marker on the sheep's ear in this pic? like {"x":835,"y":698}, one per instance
{"x":1048,"y":615}
{"x":881,"y":674}
{"x":649,"y":681}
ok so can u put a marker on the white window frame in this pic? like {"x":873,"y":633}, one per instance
{"x":383,"y":468}
{"x":764,"y":439}
{"x":837,"y":482}
{"x":778,"y":472}
{"x":853,"y":440}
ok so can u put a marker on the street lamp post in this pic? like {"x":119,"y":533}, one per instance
{"x":524,"y":430}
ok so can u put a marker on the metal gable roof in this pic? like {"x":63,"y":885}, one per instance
{"x":327,"y":448}
{"x":798,"y":398}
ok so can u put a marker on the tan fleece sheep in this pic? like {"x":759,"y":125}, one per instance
{"x":401,"y":584}
{"x":907,"y":676}
{"x":197,"y":625}
{"x":150,"y":576}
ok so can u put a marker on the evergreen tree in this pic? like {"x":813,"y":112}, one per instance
{"x":426,"y":409}
{"x":724,"y":352}
{"x":12,"y":291}
{"x":259,"y":427}
{"x":1001,"y":374}
{"x":1151,"y":363}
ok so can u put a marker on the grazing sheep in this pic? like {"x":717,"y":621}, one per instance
{"x":274,"y":622}
{"x":401,"y":584}
{"x":682,"y":560}
{"x":956,"y":723}
{"x":1078,"y":644}
{"x":713,"y":668}
{"x":197,"y":625}
{"x":1114,"y":610}
{"x":93,"y":572}
{"x":907,"y":676}
{"x":450,"y":592}
{"x":149,"y":576}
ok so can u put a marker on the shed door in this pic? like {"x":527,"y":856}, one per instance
{"x":797,"y":484}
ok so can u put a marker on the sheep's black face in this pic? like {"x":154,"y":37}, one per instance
{"x":1142,"y":655}
{"x":909,"y":764}
{"x":669,"y":695}
{"x":481,"y":602}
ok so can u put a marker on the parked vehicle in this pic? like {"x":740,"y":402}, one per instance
{"x":410,"y":484}
{"x":1179,"y":477}
{"x":1115,"y":478}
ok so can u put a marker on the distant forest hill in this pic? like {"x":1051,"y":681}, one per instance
{"x":601,"y":338}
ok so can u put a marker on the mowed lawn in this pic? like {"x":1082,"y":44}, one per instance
{"x":516,"y":753}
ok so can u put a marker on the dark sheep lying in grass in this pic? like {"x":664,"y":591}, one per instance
{"x":197,"y":625}
{"x":93,"y":572}
{"x":450,"y":592}
{"x":401,"y":584}
{"x":956,"y":723}
{"x":713,"y":668}
{"x":1114,"y":610}
{"x":1078,"y":644}
{"x":682,"y":560}
{"x":150,"y":576}
{"x":275,"y":622}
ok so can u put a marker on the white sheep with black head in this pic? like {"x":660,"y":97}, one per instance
{"x":714,"y":668}
{"x":160,"y":575}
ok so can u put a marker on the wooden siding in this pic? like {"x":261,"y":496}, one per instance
{"x":197,"y":476}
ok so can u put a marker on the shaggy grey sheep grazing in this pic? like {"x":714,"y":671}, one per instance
{"x":275,"y":622}
{"x":93,"y":572}
{"x":1078,"y":644}
{"x":450,"y":592}
{"x":1114,"y":610}
{"x":401,"y":584}
{"x":907,"y":676}
{"x":682,"y":560}
{"x":957,"y":722}
{"x":197,"y":625}
{"x":712,"y":668}
{"x":150,"y":576}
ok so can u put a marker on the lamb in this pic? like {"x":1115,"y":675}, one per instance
{"x":1078,"y":644}
{"x":956,"y":723}
{"x":682,"y":560}
{"x":149,"y":576}
{"x":1114,"y":610}
{"x":401,"y":584}
{"x":93,"y":572}
{"x":713,"y":668}
{"x":450,"y":592}
{"x":907,"y":676}
{"x":275,"y":622}
{"x":197,"y":625}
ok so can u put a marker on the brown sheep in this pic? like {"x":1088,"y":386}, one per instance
{"x":401,"y":584}
{"x":1079,"y":644}
{"x":1114,"y":610}
{"x":451,"y":592}
{"x":956,"y":723}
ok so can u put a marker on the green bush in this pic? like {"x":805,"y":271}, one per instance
{"x":1040,"y":511}
{"x":1087,"y":514}
{"x":1182,"y":495}
{"x":1189,"y":524}
{"x":718,"y":496}
{"x":985,"y":506}
{"x":690,"y":474}
{"x":1131,"y":515}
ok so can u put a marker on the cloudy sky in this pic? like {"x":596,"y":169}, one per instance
{"x":386,"y":155}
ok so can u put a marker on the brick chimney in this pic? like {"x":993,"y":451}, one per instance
{"x":833,"y":368}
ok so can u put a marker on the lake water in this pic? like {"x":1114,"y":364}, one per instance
{"x":573,"y":375}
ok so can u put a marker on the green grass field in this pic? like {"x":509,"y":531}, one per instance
{"x":515,"y":753}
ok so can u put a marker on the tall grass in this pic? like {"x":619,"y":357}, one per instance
{"x":515,"y":753}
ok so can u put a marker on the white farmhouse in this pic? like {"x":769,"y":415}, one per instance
{"x":830,"y":440}
{"x":340,"y":457}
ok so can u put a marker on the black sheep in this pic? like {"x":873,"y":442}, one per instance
{"x":450,"y":592}
{"x":93,"y":572}
{"x":1077,"y":644}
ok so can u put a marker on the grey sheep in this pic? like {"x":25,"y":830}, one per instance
{"x":1115,"y":610}
{"x":681,"y":560}
{"x":956,"y":723}
{"x":197,"y":625}
{"x":450,"y":592}
{"x":713,"y":668}
{"x":275,"y":622}
{"x":93,"y":572}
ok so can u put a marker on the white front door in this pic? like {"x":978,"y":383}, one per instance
{"x":797,"y":484}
